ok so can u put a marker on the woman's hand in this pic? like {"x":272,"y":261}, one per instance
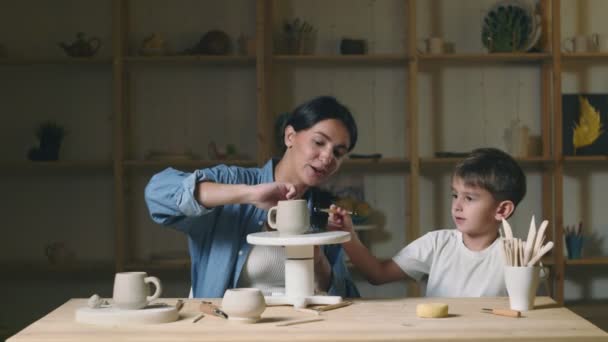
{"x":266,"y":195}
{"x":339,"y":219}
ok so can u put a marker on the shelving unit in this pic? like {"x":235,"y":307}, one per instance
{"x":270,"y":84}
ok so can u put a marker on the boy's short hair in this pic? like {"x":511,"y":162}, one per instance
{"x":495,"y":171}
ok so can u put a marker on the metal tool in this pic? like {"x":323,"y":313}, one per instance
{"x":502,"y":312}
{"x":211,"y":309}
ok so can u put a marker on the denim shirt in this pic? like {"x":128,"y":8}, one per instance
{"x":217,"y":236}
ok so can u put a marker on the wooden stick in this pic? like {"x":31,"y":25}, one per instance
{"x":302,"y":321}
{"x":310,"y":311}
{"x":334,"y":306}
{"x":198,"y":318}
{"x":503,"y":312}
{"x":330,"y":211}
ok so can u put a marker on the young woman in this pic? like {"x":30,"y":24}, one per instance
{"x":218,"y":207}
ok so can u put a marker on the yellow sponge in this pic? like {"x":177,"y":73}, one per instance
{"x":432,"y":310}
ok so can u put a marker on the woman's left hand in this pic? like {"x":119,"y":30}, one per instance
{"x":267,"y":195}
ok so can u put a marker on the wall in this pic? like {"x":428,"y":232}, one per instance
{"x":181,"y":108}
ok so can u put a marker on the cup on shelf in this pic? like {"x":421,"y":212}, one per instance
{"x":290,"y":217}
{"x":522,"y":283}
{"x":599,"y":42}
{"x":131,"y":290}
{"x":576,"y":44}
{"x":574,"y":246}
{"x":431,"y":45}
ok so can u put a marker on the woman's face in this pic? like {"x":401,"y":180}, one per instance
{"x":316,"y":153}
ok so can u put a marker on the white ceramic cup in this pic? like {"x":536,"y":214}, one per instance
{"x":243,"y":305}
{"x":578,"y":43}
{"x":131,"y":290}
{"x":600,"y":42}
{"x":522,"y":283}
{"x":290,"y":217}
{"x":432,"y":45}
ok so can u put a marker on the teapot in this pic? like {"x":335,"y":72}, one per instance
{"x":82,"y":47}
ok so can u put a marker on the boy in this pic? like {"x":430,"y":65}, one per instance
{"x":463,"y":262}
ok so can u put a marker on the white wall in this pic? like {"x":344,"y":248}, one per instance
{"x":178,"y":108}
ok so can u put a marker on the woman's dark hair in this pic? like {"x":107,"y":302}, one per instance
{"x":318,"y":109}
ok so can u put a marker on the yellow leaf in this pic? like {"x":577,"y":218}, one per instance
{"x":589,"y":126}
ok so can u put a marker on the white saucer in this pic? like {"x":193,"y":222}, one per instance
{"x":153,"y":314}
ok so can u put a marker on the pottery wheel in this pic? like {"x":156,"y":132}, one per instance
{"x":299,"y":267}
{"x":152,"y":314}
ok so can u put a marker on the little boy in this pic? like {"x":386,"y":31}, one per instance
{"x":463,"y":262}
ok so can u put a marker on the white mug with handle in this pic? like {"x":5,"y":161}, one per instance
{"x":290,"y":217}
{"x":131,"y":290}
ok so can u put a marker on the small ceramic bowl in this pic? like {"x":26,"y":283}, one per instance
{"x":244,"y":305}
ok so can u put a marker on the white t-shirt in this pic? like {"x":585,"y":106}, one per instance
{"x":453,"y":270}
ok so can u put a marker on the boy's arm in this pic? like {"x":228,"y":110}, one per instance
{"x":375,"y":271}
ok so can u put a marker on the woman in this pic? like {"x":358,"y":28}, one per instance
{"x":218,"y":207}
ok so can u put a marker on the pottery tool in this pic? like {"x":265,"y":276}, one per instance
{"x":211,"y":309}
{"x":502,"y":312}
{"x":302,"y":321}
{"x":547,"y":247}
{"x":198,"y":318}
{"x":179,"y":304}
{"x":333,"y":306}
{"x":507,"y":228}
{"x":330,"y":211}
{"x":310,"y":311}
{"x":520,"y":253}
{"x":530,"y":241}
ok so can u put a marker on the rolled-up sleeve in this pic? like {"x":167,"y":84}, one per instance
{"x":170,"y":196}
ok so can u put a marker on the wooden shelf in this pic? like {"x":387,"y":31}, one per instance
{"x":586,"y":56}
{"x":376,"y":165}
{"x":43,"y":166}
{"x":337,"y":60}
{"x":588,"y":261}
{"x":184,"y":163}
{"x":160,"y":265}
{"x":527,"y":161}
{"x":38,"y":269}
{"x":198,"y":59}
{"x":486,"y":57}
{"x":56,"y":61}
{"x":585,"y":159}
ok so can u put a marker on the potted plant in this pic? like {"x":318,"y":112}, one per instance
{"x":50,"y":135}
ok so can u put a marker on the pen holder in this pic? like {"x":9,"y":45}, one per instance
{"x":574,"y":246}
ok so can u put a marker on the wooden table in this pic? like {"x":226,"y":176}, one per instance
{"x":365,"y":320}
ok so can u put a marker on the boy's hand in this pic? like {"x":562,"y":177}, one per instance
{"x":339,"y":219}
{"x":267,"y":195}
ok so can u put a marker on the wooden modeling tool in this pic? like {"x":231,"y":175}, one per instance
{"x":302,"y":321}
{"x":211,"y":309}
{"x":330,"y":211}
{"x":502,"y":312}
{"x":333,"y":306}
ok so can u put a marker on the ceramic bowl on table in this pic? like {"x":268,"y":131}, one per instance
{"x":243,"y":305}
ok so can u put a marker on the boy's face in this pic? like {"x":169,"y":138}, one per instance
{"x":474,"y":209}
